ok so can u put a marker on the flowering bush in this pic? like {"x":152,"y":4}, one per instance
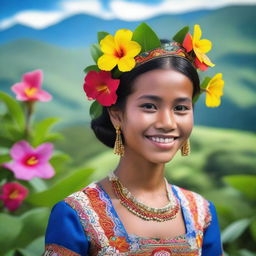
{"x":31,"y":171}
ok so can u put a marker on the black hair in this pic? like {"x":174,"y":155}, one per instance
{"x":102,"y":126}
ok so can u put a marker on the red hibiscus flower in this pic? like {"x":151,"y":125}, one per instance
{"x":101,"y":86}
{"x":13,"y":194}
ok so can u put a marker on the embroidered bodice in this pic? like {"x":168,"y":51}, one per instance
{"x":104,"y":233}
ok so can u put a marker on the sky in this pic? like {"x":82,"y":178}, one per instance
{"x":40,"y":14}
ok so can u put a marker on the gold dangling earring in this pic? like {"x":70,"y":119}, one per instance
{"x":119,"y":147}
{"x":185,"y":149}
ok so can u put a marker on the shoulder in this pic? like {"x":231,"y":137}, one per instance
{"x":196,"y":205}
{"x":81,"y":198}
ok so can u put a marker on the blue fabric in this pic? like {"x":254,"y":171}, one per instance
{"x":212,"y":245}
{"x":64,"y":229}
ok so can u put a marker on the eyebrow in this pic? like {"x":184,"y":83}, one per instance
{"x":158,"y":99}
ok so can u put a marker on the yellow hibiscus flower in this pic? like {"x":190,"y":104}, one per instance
{"x":214,"y":90}
{"x":118,"y":50}
{"x":201,"y":46}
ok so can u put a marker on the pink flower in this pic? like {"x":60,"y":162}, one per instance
{"x":13,"y":194}
{"x":29,"y":89}
{"x":101,"y":86}
{"x":29,"y":162}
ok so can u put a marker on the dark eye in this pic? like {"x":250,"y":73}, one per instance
{"x":181,"y":108}
{"x":148,"y":106}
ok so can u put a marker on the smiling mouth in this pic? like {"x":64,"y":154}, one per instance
{"x":164,"y":140}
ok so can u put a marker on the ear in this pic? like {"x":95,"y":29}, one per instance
{"x":115,"y":115}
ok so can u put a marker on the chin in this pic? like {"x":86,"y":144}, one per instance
{"x":162,"y":159}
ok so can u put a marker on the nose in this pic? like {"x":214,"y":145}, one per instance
{"x":166,"y":120}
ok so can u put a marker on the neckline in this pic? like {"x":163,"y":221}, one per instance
{"x":183,"y":212}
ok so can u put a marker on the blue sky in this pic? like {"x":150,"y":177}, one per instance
{"x":43,"y":13}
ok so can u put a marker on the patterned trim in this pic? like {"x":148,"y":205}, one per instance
{"x":107,"y":235}
{"x":57,"y":250}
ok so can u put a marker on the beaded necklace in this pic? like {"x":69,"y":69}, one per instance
{"x":141,"y":210}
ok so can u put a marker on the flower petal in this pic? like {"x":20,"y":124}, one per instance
{"x":44,"y":152}
{"x":107,"y":62}
{"x":34,"y":78}
{"x":123,"y":36}
{"x":107,"y":44}
{"x":200,"y":65}
{"x":204,"y":45}
{"x":20,"y":149}
{"x":207,"y":61}
{"x":20,"y":171}
{"x":197,"y":33}
{"x":43,"y":96}
{"x":107,"y":100}
{"x":126,"y":64}
{"x":44,"y":171}
{"x":212,"y":101}
{"x":187,"y":43}
{"x":132,"y":49}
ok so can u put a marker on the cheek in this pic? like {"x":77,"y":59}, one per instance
{"x":186,"y":124}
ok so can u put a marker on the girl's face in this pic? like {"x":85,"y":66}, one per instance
{"x":158,"y":116}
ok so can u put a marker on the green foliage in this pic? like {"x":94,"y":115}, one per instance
{"x":14,"y":110}
{"x":10,"y":228}
{"x":91,"y":68}
{"x":244,"y":183}
{"x":233,"y":231}
{"x":41,"y":131}
{"x":76,"y":181}
{"x":95,"y":52}
{"x":95,"y":109}
{"x":180,"y":35}
{"x":146,"y":37}
{"x":101,"y":35}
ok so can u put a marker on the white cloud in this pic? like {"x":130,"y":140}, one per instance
{"x":138,"y":11}
{"x":120,"y":9}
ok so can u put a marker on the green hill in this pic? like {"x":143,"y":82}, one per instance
{"x":232,"y":30}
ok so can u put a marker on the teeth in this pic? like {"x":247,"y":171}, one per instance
{"x":161,"y":140}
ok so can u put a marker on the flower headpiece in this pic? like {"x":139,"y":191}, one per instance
{"x":126,"y":50}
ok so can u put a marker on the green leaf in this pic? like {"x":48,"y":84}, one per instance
{"x":235,"y":230}
{"x":244,"y":183}
{"x":195,"y":99}
{"x":41,"y":130}
{"x":116,"y":73}
{"x":6,"y":142}
{"x":38,"y":184}
{"x":34,"y":223}
{"x":180,"y":35}
{"x":101,"y":35}
{"x":10,"y":229}
{"x":253,"y":229}
{"x":95,"y":109}
{"x":34,"y":248}
{"x":95,"y":52}
{"x":58,"y":161}
{"x":205,"y":82}
{"x":5,"y":158}
{"x":15,"y":110}
{"x":74,"y":182}
{"x":146,"y":37}
{"x":91,"y":68}
{"x":245,"y":252}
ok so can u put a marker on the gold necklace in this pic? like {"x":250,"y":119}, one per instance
{"x":141,"y":210}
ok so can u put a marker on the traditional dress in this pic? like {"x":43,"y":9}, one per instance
{"x":86,"y":223}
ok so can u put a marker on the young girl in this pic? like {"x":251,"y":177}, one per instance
{"x":147,"y":120}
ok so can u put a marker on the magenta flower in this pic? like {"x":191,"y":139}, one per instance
{"x":101,"y":86}
{"x":29,"y":89}
{"x":13,"y":194}
{"x":30,"y":162}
